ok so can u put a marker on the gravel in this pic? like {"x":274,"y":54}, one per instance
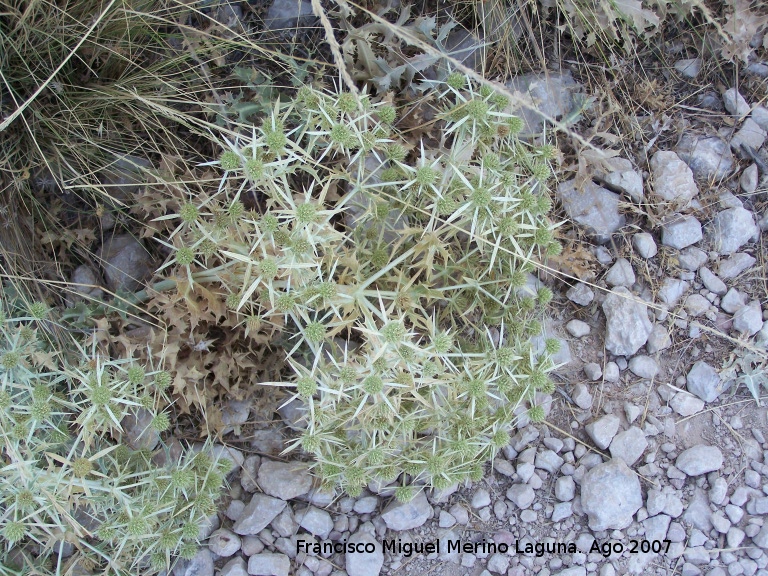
{"x":644,"y":366}
{"x":731,"y":229}
{"x":578,"y":328}
{"x":680,"y":231}
{"x":522,"y":495}
{"x":580,"y":294}
{"x":686,"y":404}
{"x":629,"y":445}
{"x":284,"y":480}
{"x":733,"y":301}
{"x":364,"y":564}
{"x":620,"y":274}
{"x":708,"y":157}
{"x":700,"y":460}
{"x":748,"y":319}
{"x":644,"y":245}
{"x":400,"y":516}
{"x":750,"y":135}
{"x":593,"y":371}
{"x":257,"y":515}
{"x":692,"y":258}
{"x":268,"y":564}
{"x":625,"y":179}
{"x":224,"y":542}
{"x":565,"y":488}
{"x":610,"y":495}
{"x":602,"y":430}
{"x":735,"y":103}
{"x":672,"y":178}
{"x":734,"y":265}
{"x":704,"y":381}
{"x":315,"y":521}
{"x":627,"y":323}
{"x":593,"y":207}
{"x":748,"y":180}
{"x":712,"y":282}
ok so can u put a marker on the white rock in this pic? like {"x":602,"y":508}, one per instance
{"x":644,"y":245}
{"x":627,"y":323}
{"x":582,"y":397}
{"x":628,"y":181}
{"x":632,"y":411}
{"x":709,"y":157}
{"x":748,"y":319}
{"x":593,"y":371}
{"x":731,"y":229}
{"x":750,"y":135}
{"x":672,"y":178}
{"x":268,"y":564}
{"x":288,"y":14}
{"x":315,"y":521}
{"x":629,"y":445}
{"x":749,"y":179}
{"x":692,"y":258}
{"x":696,"y":305}
{"x":407,"y":515}
{"x":686,"y":404}
{"x":603,"y":430}
{"x":565,"y":488}
{"x":284,"y":480}
{"x":257,"y":515}
{"x":620,"y":274}
{"x":610,"y":495}
{"x":712,"y":282}
{"x":548,"y":460}
{"x":734,"y":265}
{"x":704,"y":382}
{"x":658,"y":339}
{"x":578,"y":329}
{"x":480,"y":499}
{"x":680,"y":231}
{"x":580,"y":294}
{"x":699,"y":460}
{"x":498,"y":563}
{"x":235,"y":567}
{"x":643,"y":366}
{"x":593,"y":207}
{"x":732,"y":301}
{"x":235,"y":413}
{"x":688,"y":67}
{"x":223,"y":542}
{"x":671,"y":290}
{"x":760,"y":115}
{"x":612,"y":372}
{"x":522,"y":495}
{"x":735,"y":103}
{"x":366,"y":504}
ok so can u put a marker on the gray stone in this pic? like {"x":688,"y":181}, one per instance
{"x":407,"y":515}
{"x":735,"y":103}
{"x":686,"y":404}
{"x":521,"y":495}
{"x":620,"y":274}
{"x":688,"y":67}
{"x":446,"y":520}
{"x":562,"y":510}
{"x":235,"y":567}
{"x":224,"y":543}
{"x":577,"y":328}
{"x":680,"y":231}
{"x":465,"y":47}
{"x":704,"y":382}
{"x":700,"y":460}
{"x":718,"y":491}
{"x":629,"y":445}
{"x":709,"y":157}
{"x":572,"y":571}
{"x":748,"y":319}
{"x":288,"y":14}
{"x":696,"y":305}
{"x":565,"y":488}
{"x":626,"y":180}
{"x":229,"y":13}
{"x":580,"y":294}
{"x":655,"y":502}
{"x":315,"y":521}
{"x":643,"y":366}
{"x":126,"y":178}
{"x":632,"y":411}
{"x":593,"y":207}
{"x":734,"y":537}
{"x":733,"y":301}
{"x":712,"y":282}
{"x":582,"y":397}
{"x":548,"y":460}
{"x":480,"y":499}
{"x":125,"y":261}
{"x":749,"y":179}
{"x":750,"y":135}
{"x":658,"y":339}
{"x":612,"y":372}
{"x":672,"y":178}
{"x":761,"y":538}
{"x":627,"y":323}
{"x":644,"y":245}
{"x":285,"y":524}
{"x":498,"y":563}
{"x":731,"y":229}
{"x":698,"y":512}
{"x":692,"y":258}
{"x":285,"y":480}
{"x":258,"y":514}
{"x":86,"y":281}
{"x":603,"y":430}
{"x":758,"y":69}
{"x":201,"y":564}
{"x":234,"y":413}
{"x":553,"y":96}
{"x":249,"y":472}
{"x":671,"y":290}
{"x":268,"y":564}
{"x":760,"y":115}
{"x":138,"y":431}
{"x":734,"y":265}
{"x":610,"y":495}
{"x":656,"y":527}
{"x":366,"y":504}
{"x":593,"y":371}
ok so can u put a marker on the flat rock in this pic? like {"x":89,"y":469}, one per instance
{"x":223,"y":542}
{"x":629,"y":445}
{"x":731,"y":229}
{"x":749,"y":179}
{"x":643,"y":366}
{"x":407,"y":515}
{"x":734,"y":265}
{"x":735,"y":103}
{"x":692,"y":258}
{"x":708,"y":157}
{"x":733,"y":301}
{"x":699,"y":460}
{"x":580,"y":294}
{"x":672,"y":178}
{"x":712,"y":282}
{"x":258,"y":514}
{"x":315,"y":521}
{"x":626,"y":180}
{"x":686,"y":404}
{"x":285,"y":480}
{"x":610,"y":495}
{"x":680,"y":231}
{"x":522,"y":495}
{"x":704,"y":382}
{"x":578,"y":328}
{"x":748,"y":319}
{"x":603,"y":430}
{"x":659,"y":339}
{"x":627,"y":323}
{"x":235,"y":567}
{"x":268,"y":564}
{"x":671,"y":290}
{"x":593,"y":207}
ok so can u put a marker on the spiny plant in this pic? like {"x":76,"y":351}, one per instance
{"x":399,"y":275}
{"x":72,"y":491}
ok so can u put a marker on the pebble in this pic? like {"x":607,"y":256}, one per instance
{"x":611,"y":373}
{"x":696,"y":305}
{"x":658,"y":339}
{"x":680,"y":231}
{"x":704,"y":382}
{"x":629,"y":445}
{"x":288,"y":14}
{"x":284,"y":480}
{"x":731,"y":229}
{"x":498,"y":563}
{"x":750,"y":134}
{"x":460,"y":513}
{"x":620,"y":274}
{"x":644,"y":245}
{"x":749,"y":179}
{"x":602,"y":430}
{"x":593,"y":207}
{"x":672,"y":178}
{"x":735,"y":103}
{"x":561,"y":511}
{"x":582,"y":397}
{"x":407,"y":515}
{"x":699,"y":460}
{"x":712,"y":282}
{"x":565,"y":488}
{"x":201,"y":564}
{"x":732,"y":301}
{"x":643,"y":366}
{"x":269,"y":564}
{"x":627,"y":323}
{"x":578,"y":328}
{"x":734,"y":265}
{"x":625,"y":179}
{"x":223,"y":542}
{"x":671,"y":290}
{"x":548,"y":460}
{"x":692,"y":258}
{"x":315,"y":521}
{"x":248,"y":474}
{"x":593,"y":371}
{"x":480,"y":499}
{"x":748,"y":319}
{"x":522,"y":495}
{"x":708,"y":157}
{"x":632,"y":411}
{"x":686,"y":404}
{"x":610,"y":495}
{"x":258,"y":514}
{"x":126,"y":262}
{"x":445,"y":520}
{"x":688,"y":67}
{"x":235,"y":567}
{"x":580,"y":294}
{"x":368,"y":564}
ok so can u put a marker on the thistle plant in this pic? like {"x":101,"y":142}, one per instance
{"x":68,"y":479}
{"x":399,"y":275}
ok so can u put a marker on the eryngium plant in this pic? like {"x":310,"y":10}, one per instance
{"x":398,"y":272}
{"x":72,"y":492}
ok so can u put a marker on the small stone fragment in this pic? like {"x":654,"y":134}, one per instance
{"x":593,"y":207}
{"x":268,"y":564}
{"x":644,"y":245}
{"x":750,"y":135}
{"x":735,"y":103}
{"x":629,"y":445}
{"x":603,"y":430}
{"x":620,"y":274}
{"x":692,"y":258}
{"x":627,"y":323}
{"x":582,"y":397}
{"x":733,"y":301}
{"x":522,"y":495}
{"x":223,"y":542}
{"x":610,"y":495}
{"x":686,"y":404}
{"x":696,"y":305}
{"x":407,"y":515}
{"x":643,"y":366}
{"x":565,"y":488}
{"x":748,"y":319}
{"x":700,"y":460}
{"x":749,"y":179}
{"x":731,"y":229}
{"x":284,"y":480}
{"x":580,"y":294}
{"x":680,"y":231}
{"x":704,"y":382}
{"x":593,"y":371}
{"x":734,"y":265}
{"x":709,"y":157}
{"x":658,"y":339}
{"x":258,"y":514}
{"x":712,"y":282}
{"x":578,"y":328}
{"x":688,"y":67}
{"x":672,"y":178}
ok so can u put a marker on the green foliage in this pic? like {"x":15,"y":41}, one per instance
{"x":66,"y":473}
{"x":384,"y":267}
